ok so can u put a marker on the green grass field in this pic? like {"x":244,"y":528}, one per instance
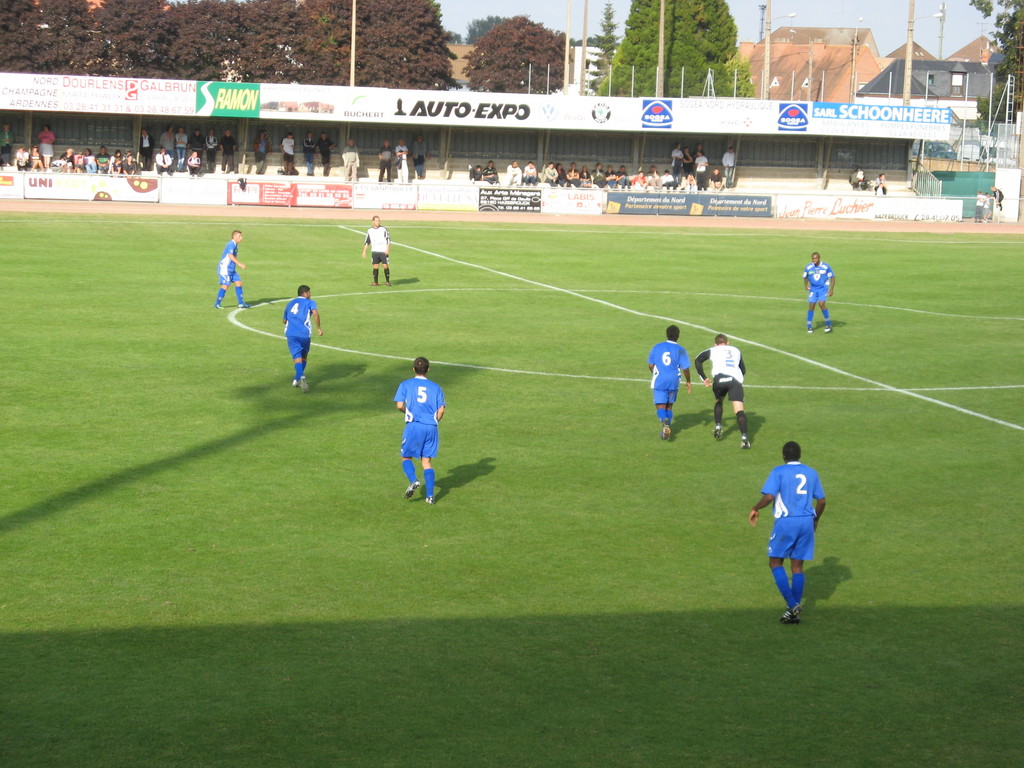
{"x":201,"y":566}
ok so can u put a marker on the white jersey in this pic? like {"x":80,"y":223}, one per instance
{"x":725,"y":360}
{"x":378,"y":239}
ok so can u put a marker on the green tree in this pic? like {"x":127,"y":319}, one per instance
{"x":504,"y":58}
{"x":699,"y":35}
{"x":477,"y":28}
{"x":737,"y":69}
{"x":20,"y":38}
{"x":1008,"y":27}
{"x":606,"y":44}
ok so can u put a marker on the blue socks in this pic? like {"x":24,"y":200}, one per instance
{"x":220,"y":294}
{"x":238,"y":293}
{"x":428,"y":482}
{"x":824,"y":312}
{"x":410,"y":470}
{"x":300,"y":368}
{"x":782,"y":582}
{"x":798,"y":587}
{"x":810,"y":317}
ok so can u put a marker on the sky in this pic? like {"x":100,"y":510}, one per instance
{"x":887,"y":19}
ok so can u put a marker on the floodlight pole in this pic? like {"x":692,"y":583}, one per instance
{"x":352,"y":53}
{"x":659,"y":85}
{"x":908,"y":55}
{"x":568,"y":22}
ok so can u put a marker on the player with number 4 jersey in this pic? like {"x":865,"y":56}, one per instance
{"x":299,"y":315}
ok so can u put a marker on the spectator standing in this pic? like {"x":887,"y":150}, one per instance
{"x":419,"y":157}
{"x":677,"y":162}
{"x":146,"y":145}
{"x":6,"y":140}
{"x":210,"y":143}
{"x":402,"y":161}
{"x":46,"y":139}
{"x":167,"y":140}
{"x":791,"y":487}
{"x":385,"y":157}
{"x":997,"y":200}
{"x":180,"y":147}
{"x":288,"y":154}
{"x":227,"y":152}
{"x":422,"y":402}
{"x":701,"y":164}
{"x":260,"y":148}
{"x":196,"y":143}
{"x":350,"y":160}
{"x":514,"y":174}
{"x":309,"y":151}
{"x":325,"y":146}
{"x":687,"y":163}
{"x":729,"y":164}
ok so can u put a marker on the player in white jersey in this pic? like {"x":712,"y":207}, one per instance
{"x":727,"y":371}
{"x":379,"y":242}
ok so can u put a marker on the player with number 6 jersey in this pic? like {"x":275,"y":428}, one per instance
{"x":668,"y":363}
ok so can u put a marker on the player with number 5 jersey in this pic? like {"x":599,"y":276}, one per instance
{"x":422,"y":402}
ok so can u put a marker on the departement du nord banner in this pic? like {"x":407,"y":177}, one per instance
{"x":676,"y":204}
{"x":293,"y":104}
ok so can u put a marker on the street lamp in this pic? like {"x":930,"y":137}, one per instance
{"x":908,"y":64}
{"x":766,"y":69}
{"x":853,"y":64}
{"x":810,"y":62}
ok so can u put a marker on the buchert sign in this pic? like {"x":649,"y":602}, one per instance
{"x":657,"y":113}
{"x":793,"y":117}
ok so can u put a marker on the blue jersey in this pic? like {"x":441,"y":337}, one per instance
{"x":298,"y":318}
{"x":422,"y":399}
{"x":793,"y":485}
{"x":818,"y":276}
{"x":668,"y":359}
{"x":226,"y":265}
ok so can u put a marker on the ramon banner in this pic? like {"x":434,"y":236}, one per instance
{"x":675,"y":204}
{"x":868,"y":207}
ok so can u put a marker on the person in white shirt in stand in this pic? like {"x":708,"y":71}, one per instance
{"x":514,"y":174}
{"x":402,"y":161}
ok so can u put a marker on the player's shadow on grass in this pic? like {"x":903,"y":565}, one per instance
{"x":706,"y":419}
{"x":404,"y":281}
{"x":464,"y":474}
{"x":270,"y":300}
{"x":823,"y":580}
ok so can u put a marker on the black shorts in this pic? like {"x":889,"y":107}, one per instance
{"x":380,"y":258}
{"x":727,"y":385}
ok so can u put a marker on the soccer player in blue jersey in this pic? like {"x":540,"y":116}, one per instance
{"x":379,"y":242}
{"x":820,"y":283}
{"x":668,"y":363}
{"x":422,"y":402}
{"x":791,"y":488}
{"x":299,"y":315}
{"x":226,"y":274}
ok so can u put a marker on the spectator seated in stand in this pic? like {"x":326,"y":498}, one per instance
{"x":476,"y":174}
{"x":530,"y":177}
{"x":624,"y":177}
{"x":563,"y":179}
{"x":116,"y":164}
{"x":586,"y":180}
{"x":490,"y":173}
{"x":639,"y":181}
{"x":653,"y":180}
{"x":550,"y":175}
{"x":164,"y":162}
{"x":691,"y":184}
{"x":668,"y":180}
{"x":194,"y":163}
{"x":881,"y":188}
{"x":103,"y":160}
{"x":858,"y":182}
{"x":35,"y":160}
{"x":66,"y":162}
{"x":89,"y":161}
{"x":612,"y":178}
{"x":21,"y":159}
{"x":600,"y":180}
{"x":572,"y":176}
{"x":716,"y":181}
{"x":131,"y":165}
{"x":514,"y":174}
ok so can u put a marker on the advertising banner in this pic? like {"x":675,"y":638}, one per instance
{"x":441,"y":197}
{"x":12,"y":186}
{"x":510,"y":199}
{"x":100,"y":95}
{"x":672,"y":204}
{"x":572,"y":200}
{"x":290,"y":194}
{"x":182,"y":189}
{"x":91,"y":186}
{"x":395,"y":197}
{"x":865,"y":207}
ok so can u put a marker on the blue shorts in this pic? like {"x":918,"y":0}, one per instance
{"x":665,"y":396}
{"x":298,"y":346}
{"x":230,"y":277}
{"x":817,"y":294}
{"x":792,"y":537}
{"x":419,"y":441}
